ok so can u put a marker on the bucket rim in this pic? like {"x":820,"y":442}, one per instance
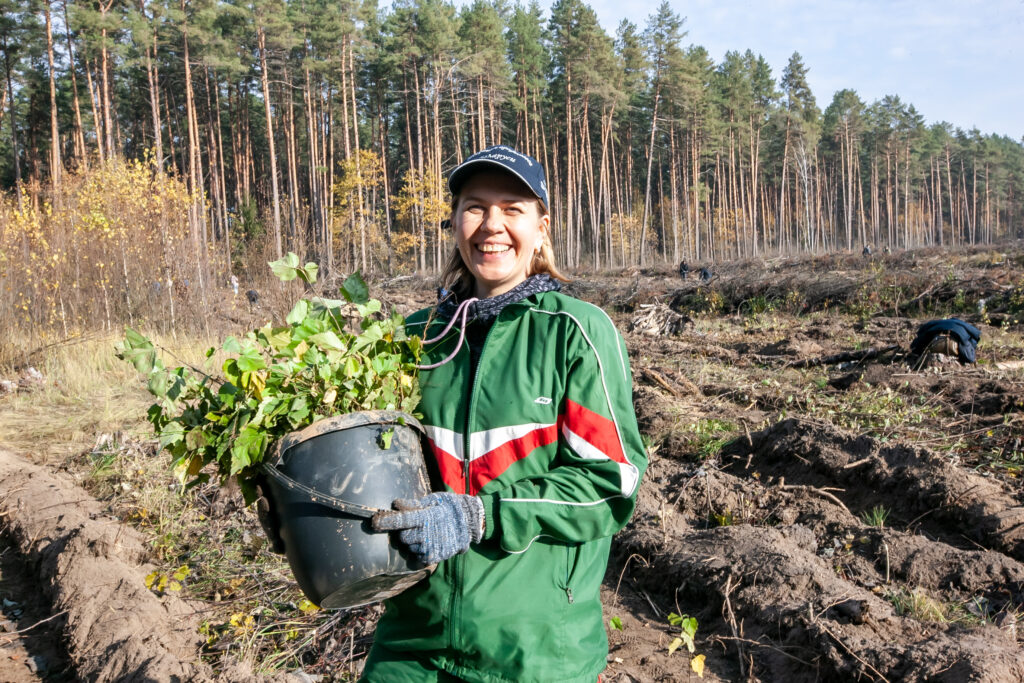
{"x":359,"y":418}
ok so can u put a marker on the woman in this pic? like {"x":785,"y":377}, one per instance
{"x":527,"y":403}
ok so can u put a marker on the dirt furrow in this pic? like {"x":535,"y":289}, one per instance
{"x":921,"y":487}
{"x":773,"y":583}
{"x":92,"y":569}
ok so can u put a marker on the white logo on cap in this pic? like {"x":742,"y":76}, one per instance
{"x":518,"y":154}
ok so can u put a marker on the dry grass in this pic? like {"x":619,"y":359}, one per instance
{"x":86,"y":391}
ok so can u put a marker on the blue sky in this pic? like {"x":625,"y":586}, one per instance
{"x":956,"y":61}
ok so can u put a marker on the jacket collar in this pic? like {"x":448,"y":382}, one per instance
{"x":488,"y":309}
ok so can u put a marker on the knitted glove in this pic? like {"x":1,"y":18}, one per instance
{"x":436,"y":526}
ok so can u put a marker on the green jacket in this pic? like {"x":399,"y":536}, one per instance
{"x":547,"y":438}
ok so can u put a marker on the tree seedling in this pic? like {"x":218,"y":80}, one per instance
{"x":687,"y":630}
{"x":279,"y":379}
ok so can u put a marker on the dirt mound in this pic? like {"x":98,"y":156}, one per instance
{"x":920,"y":486}
{"x":91,"y":570}
{"x":804,"y":588}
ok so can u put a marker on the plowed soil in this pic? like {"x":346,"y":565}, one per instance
{"x":827,"y":507}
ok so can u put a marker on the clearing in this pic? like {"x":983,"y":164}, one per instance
{"x":825,"y":507}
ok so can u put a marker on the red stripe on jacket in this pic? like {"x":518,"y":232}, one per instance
{"x":597,"y":430}
{"x":491,"y":465}
{"x":450,"y":467}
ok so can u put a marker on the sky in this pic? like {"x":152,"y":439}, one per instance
{"x":956,"y":61}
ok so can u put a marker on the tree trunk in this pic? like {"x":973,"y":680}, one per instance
{"x":261,"y":40}
{"x":14,"y":126}
{"x":55,"y":163}
{"x":79,"y":136}
{"x":647,"y":188}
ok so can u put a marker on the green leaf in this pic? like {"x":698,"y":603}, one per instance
{"x":616,"y":623}
{"x":139,"y":351}
{"x":171,"y":434}
{"x":328,"y":341}
{"x":354,"y":289}
{"x":298,"y":312}
{"x":308,"y":273}
{"x":351,"y":366}
{"x":385,"y":439}
{"x":369,"y":308}
{"x":231,"y":345}
{"x":287,"y":267}
{"x":246,"y":449}
{"x":158,"y":384}
{"x":278,"y":338}
{"x":299,"y":411}
{"x":231,"y":370}
{"x":251,"y":361}
{"x":689,"y":626}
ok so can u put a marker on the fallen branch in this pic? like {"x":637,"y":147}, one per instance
{"x":758,"y":643}
{"x":658,"y":379}
{"x":731,"y":618}
{"x":816,"y":491}
{"x":907,"y":304}
{"x":29,"y":628}
{"x":867,"y":354}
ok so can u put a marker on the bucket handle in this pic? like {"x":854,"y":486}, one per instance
{"x":321,"y":498}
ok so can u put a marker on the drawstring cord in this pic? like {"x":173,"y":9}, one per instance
{"x":463,"y":309}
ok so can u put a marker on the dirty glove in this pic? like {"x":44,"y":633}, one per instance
{"x":436,"y":526}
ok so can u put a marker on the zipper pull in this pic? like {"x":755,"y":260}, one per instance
{"x":568,"y":592}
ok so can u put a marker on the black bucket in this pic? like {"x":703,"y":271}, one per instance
{"x":325,"y":483}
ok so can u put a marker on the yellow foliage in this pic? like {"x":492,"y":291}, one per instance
{"x":420,"y":197}
{"x":105,"y":249}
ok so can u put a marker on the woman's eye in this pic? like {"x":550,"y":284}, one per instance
{"x":474,"y":209}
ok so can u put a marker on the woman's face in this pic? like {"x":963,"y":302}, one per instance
{"x":498,"y":228}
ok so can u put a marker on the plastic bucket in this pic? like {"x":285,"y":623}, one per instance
{"x":325,"y":483}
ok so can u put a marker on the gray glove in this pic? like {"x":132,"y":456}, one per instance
{"x":436,"y":526}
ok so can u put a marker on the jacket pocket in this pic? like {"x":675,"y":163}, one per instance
{"x":572,"y":560}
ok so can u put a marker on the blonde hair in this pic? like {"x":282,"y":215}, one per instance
{"x":457,"y":278}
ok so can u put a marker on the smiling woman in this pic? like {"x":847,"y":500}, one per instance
{"x":501,"y":222}
{"x":536,"y":455}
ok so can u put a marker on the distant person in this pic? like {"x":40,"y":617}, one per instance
{"x":234,"y":284}
{"x":866,"y":251}
{"x":885,"y":250}
{"x":684,"y":269}
{"x":705,"y":274}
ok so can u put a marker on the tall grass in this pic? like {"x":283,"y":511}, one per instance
{"x":86,"y":391}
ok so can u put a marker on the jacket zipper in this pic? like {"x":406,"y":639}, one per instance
{"x":460,"y":559}
{"x":572,"y":560}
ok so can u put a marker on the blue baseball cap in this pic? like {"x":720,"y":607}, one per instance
{"x":522,"y":166}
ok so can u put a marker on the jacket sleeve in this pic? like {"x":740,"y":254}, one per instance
{"x":590,"y":491}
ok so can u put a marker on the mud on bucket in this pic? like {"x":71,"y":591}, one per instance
{"x":325,"y":483}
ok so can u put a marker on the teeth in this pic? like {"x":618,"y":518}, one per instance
{"x":493,"y":248}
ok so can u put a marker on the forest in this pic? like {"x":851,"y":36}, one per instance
{"x":153,"y":147}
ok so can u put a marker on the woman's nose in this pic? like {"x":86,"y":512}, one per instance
{"x":492,"y":219}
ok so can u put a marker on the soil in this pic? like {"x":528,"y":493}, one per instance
{"x":30,"y":638}
{"x":822,"y":519}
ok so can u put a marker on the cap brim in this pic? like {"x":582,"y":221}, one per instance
{"x":460,"y":174}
